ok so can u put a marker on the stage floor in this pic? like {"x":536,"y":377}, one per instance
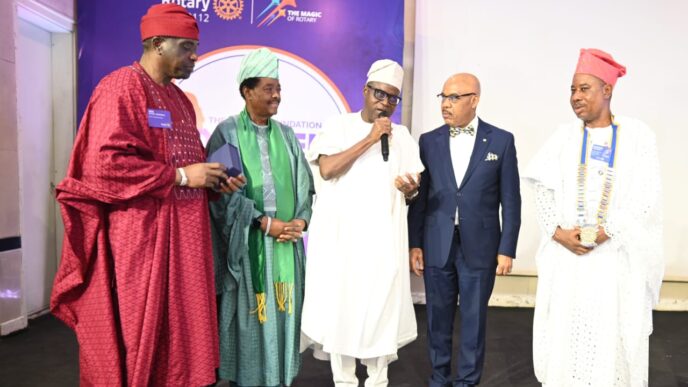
{"x":46,"y":354}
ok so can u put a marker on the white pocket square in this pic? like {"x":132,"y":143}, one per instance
{"x":491,"y":157}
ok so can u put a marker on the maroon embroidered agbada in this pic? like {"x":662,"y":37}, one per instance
{"x":136,"y":278}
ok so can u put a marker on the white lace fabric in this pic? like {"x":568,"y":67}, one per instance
{"x":593,"y":312}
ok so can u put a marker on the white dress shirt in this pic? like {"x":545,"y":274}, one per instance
{"x":461,"y":148}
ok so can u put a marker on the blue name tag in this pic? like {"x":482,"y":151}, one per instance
{"x":159,"y":119}
{"x":601,"y":153}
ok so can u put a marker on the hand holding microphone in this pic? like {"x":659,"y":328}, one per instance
{"x":382,"y":129}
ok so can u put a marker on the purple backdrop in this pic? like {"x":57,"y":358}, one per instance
{"x":342,"y":38}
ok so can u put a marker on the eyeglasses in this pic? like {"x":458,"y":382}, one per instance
{"x":453,"y":98}
{"x":381,"y":94}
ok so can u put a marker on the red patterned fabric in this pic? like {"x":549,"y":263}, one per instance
{"x":168,"y":20}
{"x":136,"y":278}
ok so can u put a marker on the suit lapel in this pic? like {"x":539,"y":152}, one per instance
{"x":442,"y":140}
{"x":482,"y":141}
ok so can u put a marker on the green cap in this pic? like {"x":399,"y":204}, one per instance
{"x":260,"y":63}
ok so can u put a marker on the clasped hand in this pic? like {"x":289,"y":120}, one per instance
{"x":290,"y":231}
{"x":570,"y":238}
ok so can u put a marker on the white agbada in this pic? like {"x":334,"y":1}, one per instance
{"x":593,"y":313}
{"x":358,"y":297}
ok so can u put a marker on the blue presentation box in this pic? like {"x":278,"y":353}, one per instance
{"x":228,"y":155}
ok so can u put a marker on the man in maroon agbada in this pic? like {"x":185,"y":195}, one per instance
{"x":136,"y":279}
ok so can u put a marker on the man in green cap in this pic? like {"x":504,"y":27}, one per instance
{"x":257,"y":245}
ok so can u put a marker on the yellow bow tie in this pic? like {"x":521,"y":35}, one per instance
{"x":467,"y":130}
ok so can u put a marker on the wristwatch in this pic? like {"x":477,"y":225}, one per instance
{"x":255,"y":223}
{"x":184,"y":181}
{"x":412,"y":196}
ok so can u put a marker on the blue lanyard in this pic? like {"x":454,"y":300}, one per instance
{"x":584,"y":148}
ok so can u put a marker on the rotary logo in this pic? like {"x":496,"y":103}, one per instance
{"x":278,"y":10}
{"x":228,"y":9}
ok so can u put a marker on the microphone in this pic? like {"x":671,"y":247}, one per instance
{"x":384,"y":140}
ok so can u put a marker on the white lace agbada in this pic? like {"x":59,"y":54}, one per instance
{"x":358,"y":296}
{"x":593,"y":313}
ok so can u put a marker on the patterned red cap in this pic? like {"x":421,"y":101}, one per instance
{"x":168,"y":20}
{"x":600,"y":64}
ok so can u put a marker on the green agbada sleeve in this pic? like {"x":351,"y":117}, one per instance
{"x":230,"y":219}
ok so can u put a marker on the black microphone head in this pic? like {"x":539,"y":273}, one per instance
{"x":384,"y":139}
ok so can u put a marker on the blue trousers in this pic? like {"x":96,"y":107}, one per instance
{"x":442,"y":286}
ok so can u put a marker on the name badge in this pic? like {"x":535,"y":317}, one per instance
{"x":601,"y":153}
{"x":159,"y":119}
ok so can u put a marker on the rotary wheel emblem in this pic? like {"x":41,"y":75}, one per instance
{"x":228,"y":9}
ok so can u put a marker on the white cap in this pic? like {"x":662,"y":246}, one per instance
{"x":386,"y":71}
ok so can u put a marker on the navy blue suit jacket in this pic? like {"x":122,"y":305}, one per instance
{"x":486,"y":185}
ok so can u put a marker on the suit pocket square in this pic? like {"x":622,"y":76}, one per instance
{"x":491,"y":157}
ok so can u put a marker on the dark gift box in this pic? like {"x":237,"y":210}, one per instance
{"x":228,"y":155}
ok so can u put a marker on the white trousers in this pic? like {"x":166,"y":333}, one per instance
{"x":344,"y":371}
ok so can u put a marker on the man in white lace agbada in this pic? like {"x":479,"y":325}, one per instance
{"x":600,"y":262}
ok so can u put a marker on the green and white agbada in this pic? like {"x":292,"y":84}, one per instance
{"x":260,"y":282}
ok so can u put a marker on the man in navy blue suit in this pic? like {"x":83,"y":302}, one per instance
{"x":455,"y":237}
